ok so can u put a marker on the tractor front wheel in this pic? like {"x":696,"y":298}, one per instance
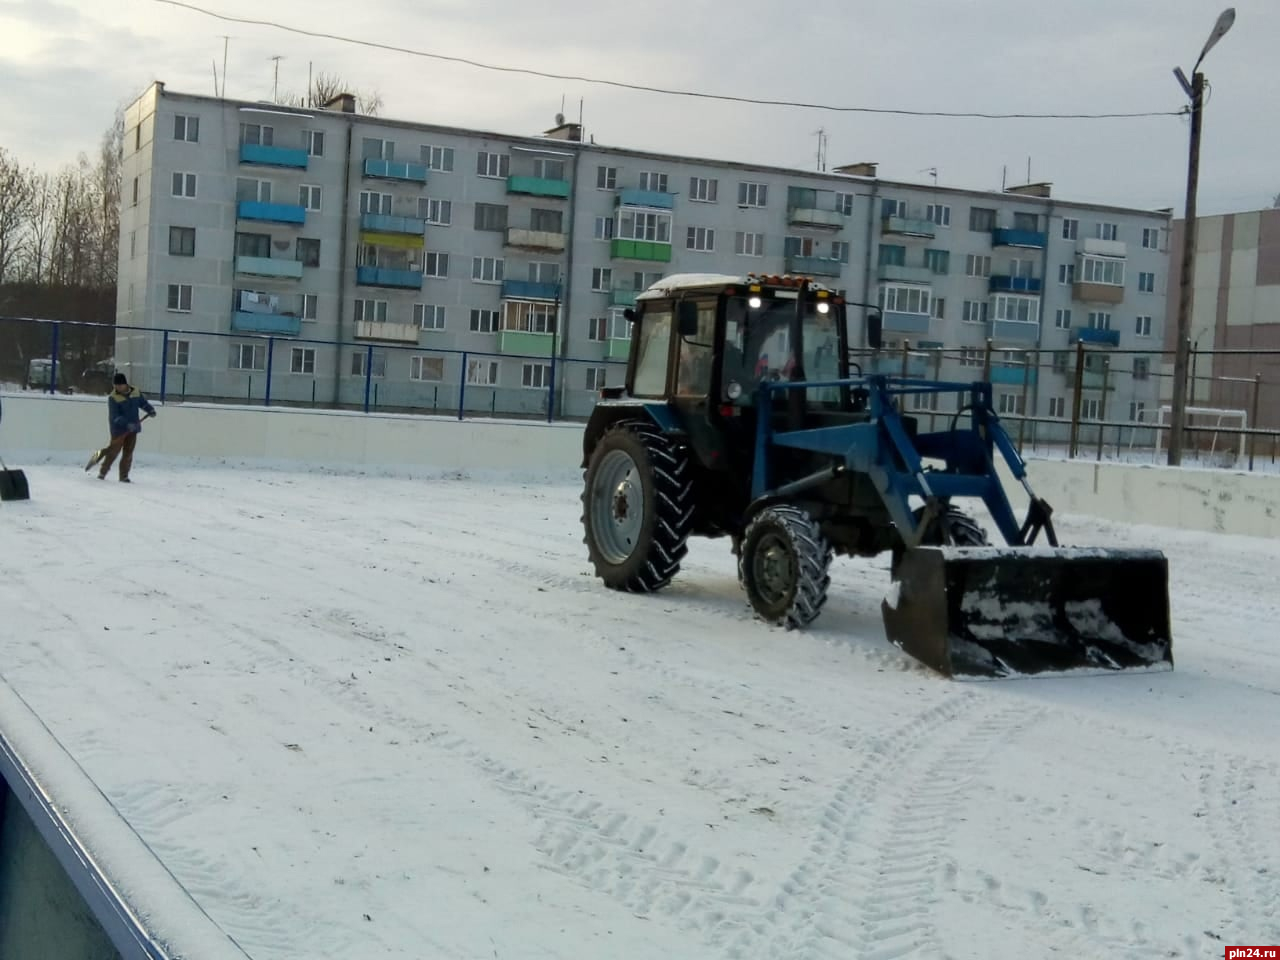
{"x":637,"y":507}
{"x":784,"y":566}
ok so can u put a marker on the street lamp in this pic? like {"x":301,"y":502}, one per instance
{"x":1194,"y":90}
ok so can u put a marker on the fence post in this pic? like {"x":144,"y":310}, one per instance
{"x":271,"y":352}
{"x":164,"y":364}
{"x":551,"y":389}
{"x":986,"y":362}
{"x":1077,"y":389}
{"x":933,"y":398}
{"x":1253,"y":417}
{"x":1026,"y":382}
{"x":368,"y":375}
{"x":53,"y":357}
{"x":1102,"y":404}
{"x":906,"y":349}
{"x":462,"y":386}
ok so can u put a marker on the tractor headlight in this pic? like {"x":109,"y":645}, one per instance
{"x":754,"y":303}
{"x":734,"y":390}
{"x":824,"y":307}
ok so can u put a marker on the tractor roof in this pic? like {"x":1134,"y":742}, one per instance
{"x":680,"y":282}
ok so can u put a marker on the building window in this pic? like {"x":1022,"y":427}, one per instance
{"x":937,"y":261}
{"x":938,"y":213}
{"x":753,"y":194}
{"x":1107,"y":231}
{"x":1141,"y":368}
{"x":491,"y":217}
{"x":1057,"y":406}
{"x":487,"y":269}
{"x":310,"y":306}
{"x":546,"y":221}
{"x":975,"y":311}
{"x":702,"y":190}
{"x":1090,"y":409}
{"x":544,"y":271}
{"x":361,"y":367}
{"x":1146,"y":282}
{"x":1062,"y":319}
{"x":892,"y":255}
{"x":939,"y":308}
{"x":184,"y":185}
{"x":601,"y":279}
{"x":1015,"y":309}
{"x":438,"y":158}
{"x":430,"y":369}
{"x":906,"y":299}
{"x":484,"y":321}
{"x":253,"y":244}
{"x":373,"y":202}
{"x":524,"y":316}
{"x":494,"y":165}
{"x":596,"y":378}
{"x":535,"y":376}
{"x":1099,"y":320}
{"x":302,"y":360}
{"x":179,"y":354}
{"x":248,"y":356}
{"x":257,"y":134}
{"x":437,"y":212}
{"x":1151,"y":238}
{"x":598,"y":329}
{"x":308,"y":251}
{"x":180,"y":297}
{"x":371,"y":311}
{"x":701,"y":239}
{"x":1011,"y":403}
{"x":656,"y":182}
{"x":748,"y":244}
{"x":977,"y":265}
{"x":428,"y":316}
{"x":982,"y":220}
{"x":1143,"y":327}
{"x":309,"y":197}
{"x":1070,"y":228}
{"x":971,"y":356}
{"x":1107,"y":270}
{"x":186,"y":128}
{"x":840,"y":251}
{"x":375,"y":148}
{"x":1137,"y":411}
{"x":606,"y":178}
{"x":642,"y":225}
{"x":135,"y":191}
{"x":313,"y":142}
{"x":548,"y":168}
{"x":1026,"y":221}
{"x":482,"y":373}
{"x":435,"y":264}
{"x":844,"y":204}
{"x":889,"y":207}
{"x":1060,"y":361}
{"x":249,"y":190}
{"x":604,"y":228}
{"x":182,"y":241}
{"x":1066,"y":274}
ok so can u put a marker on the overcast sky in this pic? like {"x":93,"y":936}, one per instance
{"x":65,"y":66}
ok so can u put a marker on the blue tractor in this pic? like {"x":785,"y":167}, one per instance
{"x":746,"y":415}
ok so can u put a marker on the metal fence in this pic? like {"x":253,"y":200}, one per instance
{"x":1086,"y":401}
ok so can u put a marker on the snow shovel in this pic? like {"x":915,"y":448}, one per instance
{"x":1011,"y":611}
{"x":13,"y":483}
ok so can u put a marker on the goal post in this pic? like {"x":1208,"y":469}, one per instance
{"x":1205,"y":420}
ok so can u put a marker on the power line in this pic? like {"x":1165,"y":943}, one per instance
{"x":974,"y":115}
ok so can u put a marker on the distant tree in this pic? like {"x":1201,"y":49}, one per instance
{"x":15,"y":210}
{"x":326,"y":86}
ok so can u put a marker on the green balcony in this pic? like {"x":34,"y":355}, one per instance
{"x":538,"y":187}
{"x":622,"y":298}
{"x":245,"y":321}
{"x":813,"y":266}
{"x":648,"y":250}
{"x":1014,"y":376}
{"x":617,"y":349}
{"x":281,"y":268}
{"x":523,"y":344}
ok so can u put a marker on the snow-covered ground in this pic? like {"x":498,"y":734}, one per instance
{"x":378,"y":716}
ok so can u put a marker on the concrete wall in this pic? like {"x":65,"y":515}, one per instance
{"x":1210,"y":500}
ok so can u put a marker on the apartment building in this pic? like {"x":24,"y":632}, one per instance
{"x":352,"y":254}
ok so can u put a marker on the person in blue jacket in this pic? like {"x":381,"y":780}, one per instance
{"x":124,"y":404}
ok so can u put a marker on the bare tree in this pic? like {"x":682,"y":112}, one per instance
{"x":326,"y":86}
{"x":15,"y":207}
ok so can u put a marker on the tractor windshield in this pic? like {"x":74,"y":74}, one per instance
{"x":758,"y":346}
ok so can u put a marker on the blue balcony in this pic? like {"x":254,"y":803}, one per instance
{"x":1022,"y":330}
{"x":271,"y":212}
{"x":383,"y":223}
{"x":395,"y":170}
{"x":1002,"y":283}
{"x":890,"y":365}
{"x":1109,"y":338}
{"x":906,"y":322}
{"x":1013,"y":376}
{"x":529,"y":290}
{"x":813,"y":266}
{"x":264,"y":156}
{"x":630,"y":197}
{"x":387,"y":277}
{"x":1002,"y":237}
{"x":244,"y":321}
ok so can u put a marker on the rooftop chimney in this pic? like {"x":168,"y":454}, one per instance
{"x":343,"y":102}
{"x":1030,"y":189}
{"x":565,"y":131}
{"x":858,"y":169}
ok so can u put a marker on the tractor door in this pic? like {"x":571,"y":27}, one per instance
{"x":652,"y":345}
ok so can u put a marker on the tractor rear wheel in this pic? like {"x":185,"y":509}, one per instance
{"x":784,"y":566}
{"x":954,"y":526}
{"x":637,"y":507}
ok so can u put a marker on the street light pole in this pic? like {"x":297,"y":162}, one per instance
{"x":1194,"y":90}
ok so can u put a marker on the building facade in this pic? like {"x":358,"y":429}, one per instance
{"x":346,"y":253}
{"x":1235,"y":306}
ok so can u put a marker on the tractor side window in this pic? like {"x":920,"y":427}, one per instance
{"x":694,"y":372}
{"x":655,"y":350}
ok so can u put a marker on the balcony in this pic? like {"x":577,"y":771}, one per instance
{"x":1031,"y":239}
{"x":260,"y":155}
{"x":382,"y":223}
{"x":908,"y":227}
{"x":630,"y":197}
{"x":383,"y":332}
{"x":615,"y":349}
{"x":619,"y":297}
{"x":1021,"y":330}
{"x":1013,"y":376}
{"x":647,"y":250}
{"x":1097,"y":292}
{"x":1108,"y":338}
{"x":813,"y":217}
{"x":890,"y":365}
{"x":404,"y":170}
{"x":813,"y":266}
{"x":1003,"y":283}
{"x":524,"y":344}
{"x":279,"y":267}
{"x":271,"y":212}
{"x":535,"y":239}
{"x":1089,"y":380}
{"x":387,"y":277}
{"x":906,"y":322}
{"x":245,"y":321}
{"x":1105,"y":248}
{"x":538,"y":187}
{"x":895,"y":273}
{"x":529,"y":290}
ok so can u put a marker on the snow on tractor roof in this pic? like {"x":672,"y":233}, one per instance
{"x":679,"y":282}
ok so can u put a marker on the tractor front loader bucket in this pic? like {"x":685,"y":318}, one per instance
{"x":1010,"y":611}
